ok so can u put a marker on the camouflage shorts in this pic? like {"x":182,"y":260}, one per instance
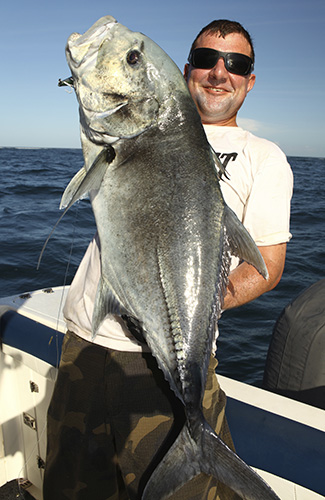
{"x":110,"y":413}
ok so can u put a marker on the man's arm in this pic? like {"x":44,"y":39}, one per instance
{"x":246,"y":284}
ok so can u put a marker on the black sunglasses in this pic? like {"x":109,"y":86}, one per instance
{"x":236,"y":63}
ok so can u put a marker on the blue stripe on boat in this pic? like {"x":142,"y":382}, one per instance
{"x":278,"y":445}
{"x":29,"y":336}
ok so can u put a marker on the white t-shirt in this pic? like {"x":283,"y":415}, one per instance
{"x":259,"y":190}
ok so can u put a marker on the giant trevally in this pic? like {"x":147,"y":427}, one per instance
{"x":165,"y":232}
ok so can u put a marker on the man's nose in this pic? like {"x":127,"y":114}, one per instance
{"x":219,"y":69}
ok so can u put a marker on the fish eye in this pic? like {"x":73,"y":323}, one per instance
{"x":133,"y":57}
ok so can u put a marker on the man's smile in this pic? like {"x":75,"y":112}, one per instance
{"x":216,"y":89}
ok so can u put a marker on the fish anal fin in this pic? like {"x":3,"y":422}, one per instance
{"x":242,"y":244}
{"x":106,"y":303}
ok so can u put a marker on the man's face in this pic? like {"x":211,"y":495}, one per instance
{"x":217,"y":93}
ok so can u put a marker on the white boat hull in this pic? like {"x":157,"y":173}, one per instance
{"x":283,"y":439}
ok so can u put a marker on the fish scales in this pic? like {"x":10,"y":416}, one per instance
{"x":164,"y":229}
{"x":155,"y":202}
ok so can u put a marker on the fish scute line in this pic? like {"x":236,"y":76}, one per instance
{"x":175,"y":336}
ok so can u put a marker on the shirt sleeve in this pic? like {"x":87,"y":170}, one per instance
{"x":267,"y":211}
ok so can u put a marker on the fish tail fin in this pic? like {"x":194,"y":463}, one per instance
{"x":177,"y":467}
{"x":203,"y":451}
{"x":218,"y":460}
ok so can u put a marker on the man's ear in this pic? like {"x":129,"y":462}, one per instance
{"x":186,"y":71}
{"x":251,"y":82}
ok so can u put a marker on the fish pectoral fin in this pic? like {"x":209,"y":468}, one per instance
{"x":242,"y":244}
{"x":177,"y":467}
{"x":86,"y":180}
{"x":80,"y":185}
{"x":72,"y":188}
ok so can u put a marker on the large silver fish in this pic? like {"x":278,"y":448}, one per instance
{"x":165,"y":232}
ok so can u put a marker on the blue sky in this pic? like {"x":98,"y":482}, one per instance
{"x":287,"y":104}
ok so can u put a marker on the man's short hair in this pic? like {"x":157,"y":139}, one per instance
{"x":223,"y":27}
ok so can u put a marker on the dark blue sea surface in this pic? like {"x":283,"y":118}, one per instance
{"x":32,"y":183}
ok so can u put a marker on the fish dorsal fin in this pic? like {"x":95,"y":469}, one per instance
{"x":86,"y":180}
{"x":242,"y":244}
{"x":218,"y":166}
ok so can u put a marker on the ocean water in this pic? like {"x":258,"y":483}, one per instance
{"x":32,"y":182}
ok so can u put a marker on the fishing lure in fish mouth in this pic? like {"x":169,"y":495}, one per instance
{"x":68,"y":82}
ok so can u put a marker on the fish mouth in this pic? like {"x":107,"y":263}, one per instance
{"x":81,"y":50}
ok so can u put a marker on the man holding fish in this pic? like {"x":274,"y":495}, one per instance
{"x":219,"y":76}
{"x":124,"y":423}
